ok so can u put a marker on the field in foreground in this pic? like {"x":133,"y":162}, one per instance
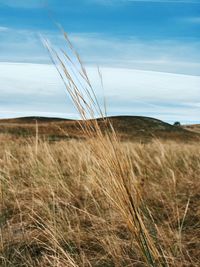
{"x":92,"y":203}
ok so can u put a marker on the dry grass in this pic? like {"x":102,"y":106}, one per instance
{"x":193,"y":128}
{"x":66,"y":205}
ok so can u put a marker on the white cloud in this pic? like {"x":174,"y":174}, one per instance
{"x":36,"y":89}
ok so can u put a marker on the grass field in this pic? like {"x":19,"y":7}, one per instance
{"x":99,"y":203}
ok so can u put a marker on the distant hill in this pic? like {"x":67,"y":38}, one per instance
{"x":128,"y":128}
{"x":145,"y":128}
{"x":33,"y":119}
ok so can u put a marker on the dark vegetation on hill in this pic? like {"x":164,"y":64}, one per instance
{"x":128,"y":128}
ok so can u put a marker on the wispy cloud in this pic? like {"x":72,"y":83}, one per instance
{"x":159,"y":55}
{"x":3,"y":29}
{"x":29,"y":89}
{"x":166,"y":55}
{"x":21,"y":46}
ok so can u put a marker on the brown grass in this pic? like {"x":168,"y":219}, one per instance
{"x":193,"y":128}
{"x":68,"y":204}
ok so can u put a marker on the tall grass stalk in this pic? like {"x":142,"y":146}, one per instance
{"x":119,"y":184}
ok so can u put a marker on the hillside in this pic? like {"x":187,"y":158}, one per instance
{"x":128,"y":127}
{"x":193,"y":128}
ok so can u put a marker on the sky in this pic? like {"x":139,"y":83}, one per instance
{"x":148,"y":52}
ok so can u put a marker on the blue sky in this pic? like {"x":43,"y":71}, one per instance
{"x":161,"y":36}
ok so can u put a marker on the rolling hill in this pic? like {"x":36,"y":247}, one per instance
{"x":128,"y":128}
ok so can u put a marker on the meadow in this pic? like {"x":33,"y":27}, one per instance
{"x":98,"y":202}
